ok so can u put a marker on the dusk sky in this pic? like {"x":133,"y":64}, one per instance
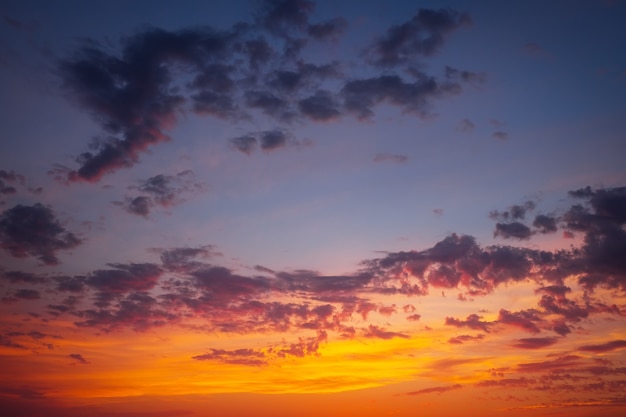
{"x":332,"y":208}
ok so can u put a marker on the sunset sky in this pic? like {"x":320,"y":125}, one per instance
{"x":336,"y":208}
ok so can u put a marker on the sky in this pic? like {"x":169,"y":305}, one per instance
{"x":289,"y":207}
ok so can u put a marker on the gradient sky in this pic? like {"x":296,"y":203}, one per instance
{"x":288,"y":207}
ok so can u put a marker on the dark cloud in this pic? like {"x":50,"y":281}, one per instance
{"x":273,"y":139}
{"x":304,"y":347}
{"x":79,"y":358}
{"x":554,"y":290}
{"x":387,"y":157}
{"x":165,"y":190}
{"x":444,"y":276}
{"x":6,"y":341}
{"x":329,"y":30}
{"x":136,"y":93}
{"x":545,"y":224}
{"x":602,"y":221}
{"x":11,"y":177}
{"x":473,"y":321}
{"x":514,"y":212}
{"x":535,"y":342}
{"x":525,"y":319}
{"x":269,"y":140}
{"x":221,"y":286}
{"x":321,"y":106}
{"x":567,"y":362}
{"x":604,"y":347}
{"x":458,"y":340}
{"x":135,"y":310}
{"x":123,"y":278}
{"x":184,"y":259}
{"x":506,"y":382}
{"x":377,"y":332}
{"x":22,"y":277}
{"x":248,"y":357}
{"x":312,"y":282}
{"x":436,"y":390}
{"x":70,"y":284}
{"x":140,"y":205}
{"x":568,"y":309}
{"x":161,"y":190}
{"x":270,"y":104}
{"x":245,"y":144}
{"x":27,"y":294}
{"x":515,"y":230}
{"x":421,"y":36}
{"x":282,"y":17}
{"x":470,"y":77}
{"x":360,"y":95}
{"x":34,"y":231}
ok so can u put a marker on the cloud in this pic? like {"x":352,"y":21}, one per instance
{"x":524,"y":319}
{"x":22,"y":277}
{"x":9,"y":177}
{"x":136,"y":92}
{"x":244,"y":144}
{"x":602,"y":221}
{"x":459,"y":340}
{"x":329,"y":30}
{"x":465,"y":125}
{"x":248,"y":357}
{"x":79,"y":358}
{"x":361,"y":95}
{"x":506,"y":382}
{"x":5,"y":341}
{"x":500,"y":135}
{"x":514,"y":212}
{"x":421,"y":36}
{"x":162,"y":190}
{"x":515,"y":230}
{"x":436,"y":390}
{"x":469,"y":77}
{"x":376,"y":332}
{"x":140,"y":205}
{"x":183,"y":259}
{"x":34,"y":231}
{"x":604,"y":347}
{"x":473,"y":321}
{"x":269,"y":140}
{"x":386,"y":157}
{"x":535,"y":342}
{"x":560,"y":363}
{"x":321,"y":106}
{"x":545,"y":224}
{"x":281,"y":17}
{"x":125,"y":277}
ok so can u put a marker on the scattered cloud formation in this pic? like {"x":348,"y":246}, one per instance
{"x":248,"y":71}
{"x":421,"y":36}
{"x":161,"y":190}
